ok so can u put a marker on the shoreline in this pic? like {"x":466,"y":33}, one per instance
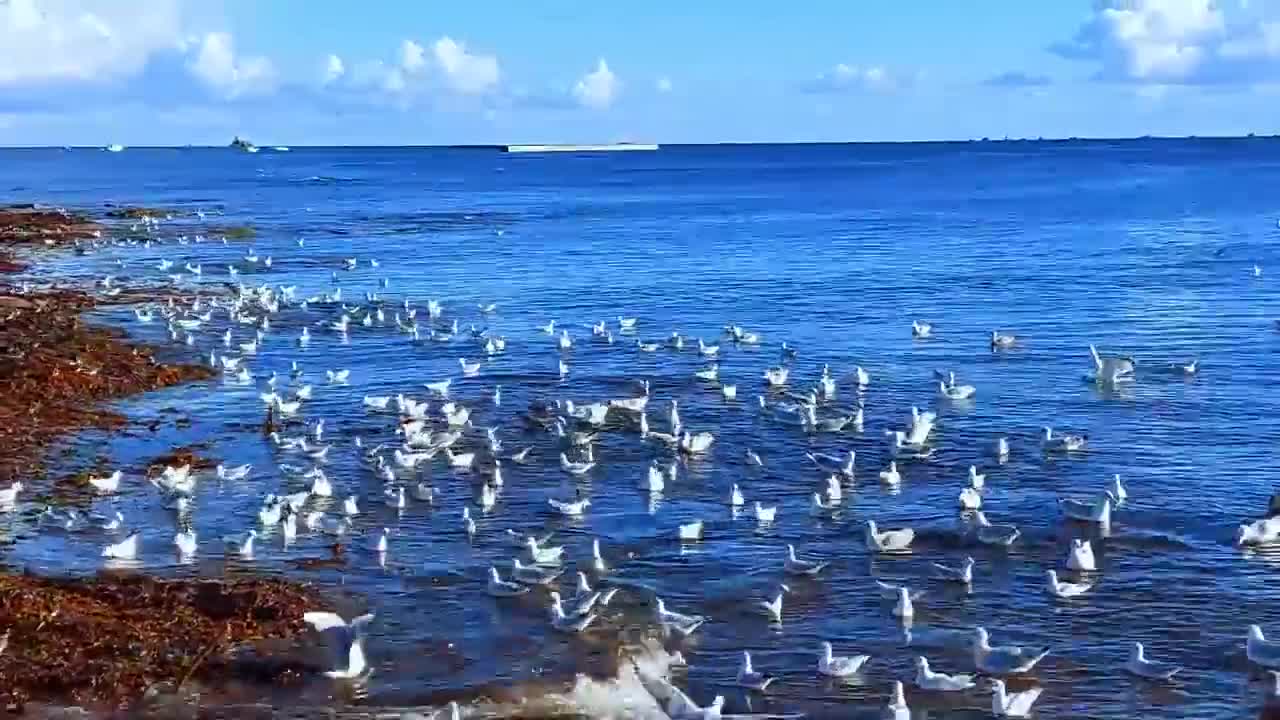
{"x":110,"y":640}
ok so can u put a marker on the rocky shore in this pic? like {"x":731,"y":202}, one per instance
{"x":106,"y":641}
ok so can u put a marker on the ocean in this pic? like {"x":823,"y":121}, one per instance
{"x":1143,"y":247}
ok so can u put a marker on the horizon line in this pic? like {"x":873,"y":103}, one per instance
{"x":727,"y":143}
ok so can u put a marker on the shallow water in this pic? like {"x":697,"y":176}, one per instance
{"x":1139,"y":247}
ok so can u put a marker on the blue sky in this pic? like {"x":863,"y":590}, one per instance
{"x":435,"y":72}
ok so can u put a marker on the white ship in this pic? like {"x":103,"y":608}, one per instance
{"x":115,"y":148}
{"x":613,"y":147}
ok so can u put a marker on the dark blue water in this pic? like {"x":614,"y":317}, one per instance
{"x":1144,"y":248}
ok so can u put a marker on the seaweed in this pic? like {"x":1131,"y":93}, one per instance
{"x":106,"y":640}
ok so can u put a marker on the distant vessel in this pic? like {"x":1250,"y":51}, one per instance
{"x":242,"y":144}
{"x":615,"y":147}
{"x":113,"y":147}
{"x":281,"y":148}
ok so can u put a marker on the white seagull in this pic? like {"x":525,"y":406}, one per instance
{"x":352,"y":635}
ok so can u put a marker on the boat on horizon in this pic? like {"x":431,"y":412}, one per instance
{"x":114,"y":147}
{"x":240,"y":143}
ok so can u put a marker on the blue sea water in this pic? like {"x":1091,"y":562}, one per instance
{"x":1140,"y":247}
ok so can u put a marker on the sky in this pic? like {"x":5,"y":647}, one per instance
{"x":434,"y":72}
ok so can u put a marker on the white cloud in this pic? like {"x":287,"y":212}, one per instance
{"x":334,"y":69}
{"x":598,"y":88}
{"x":215,"y":63}
{"x":83,"y":40}
{"x":663,"y":85}
{"x":412,"y":56}
{"x":465,"y":72}
{"x":842,"y":77}
{"x":1177,"y":41}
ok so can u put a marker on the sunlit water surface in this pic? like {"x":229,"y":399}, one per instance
{"x":1139,"y":247}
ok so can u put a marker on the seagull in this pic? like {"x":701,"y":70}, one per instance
{"x":735,"y":496}
{"x":962,"y":574}
{"x":543,"y":555}
{"x":904,"y":608}
{"x":469,"y":369}
{"x":1081,"y":557}
{"x":586,"y":598}
{"x":1260,"y":650}
{"x":777,"y":377}
{"x":889,"y":540}
{"x":897,"y":708}
{"x":696,"y":444}
{"x":571,"y":509}
{"x":691,"y":531}
{"x":185,"y":541}
{"x":1062,"y":443}
{"x":956,"y":392}
{"x":926,"y":679}
{"x":575,"y":468}
{"x":394,"y":497}
{"x":1003,"y":660}
{"x":597,"y":560}
{"x":679,"y":622}
{"x":862,"y":376}
{"x":970,"y":498}
{"x":379,"y":402}
{"x":1060,"y":589}
{"x":989,"y":534}
{"x":679,"y":706}
{"x":773,"y":608}
{"x":108,"y":484}
{"x":126,"y":549}
{"x":891,"y":476}
{"x":835,"y":666}
{"x":750,"y":679}
{"x":820,"y":506}
{"x":1142,"y":667}
{"x":533,"y":575}
{"x":1017,"y":705}
{"x":977,"y":481}
{"x":891,"y":591}
{"x":1118,"y":490}
{"x":9,"y":495}
{"x":352,"y":635}
{"x":1260,"y":532}
{"x":1096,"y":511}
{"x":794,"y":566}
{"x":565,"y":622}
{"x":350,"y":506}
{"x":239,"y":472}
{"x":833,"y":464}
{"x":241,"y":545}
